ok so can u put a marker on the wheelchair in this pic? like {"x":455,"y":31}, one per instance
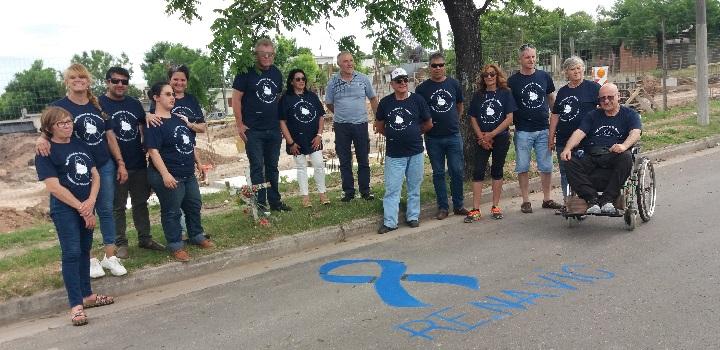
{"x":637,"y":196}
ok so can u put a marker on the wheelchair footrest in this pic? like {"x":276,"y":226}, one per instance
{"x":575,"y":205}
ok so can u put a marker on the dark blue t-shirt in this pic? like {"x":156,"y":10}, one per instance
{"x":442,"y":98}
{"x":176,"y":144}
{"x":604,"y":131}
{"x":302,"y":113}
{"x":188,"y":106}
{"x":89,"y":127}
{"x":572,"y":105}
{"x":530,"y":92}
{"x":127,"y":116}
{"x":490,"y":109}
{"x":260,"y":97}
{"x":71,"y":163}
{"x":402,"y":124}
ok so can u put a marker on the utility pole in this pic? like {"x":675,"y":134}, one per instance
{"x":664,"y":66}
{"x":702,"y":63}
{"x":437,"y":26}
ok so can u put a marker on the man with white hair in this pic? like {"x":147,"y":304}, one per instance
{"x":345,"y":97}
{"x":611,"y":131}
{"x":403,"y":117}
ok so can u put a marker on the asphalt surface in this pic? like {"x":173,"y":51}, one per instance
{"x":525,"y":282}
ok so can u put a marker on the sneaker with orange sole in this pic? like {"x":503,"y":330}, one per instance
{"x":496,"y":213}
{"x":473,"y":215}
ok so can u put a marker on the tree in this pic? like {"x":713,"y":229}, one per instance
{"x":33,"y":89}
{"x":240,"y":24}
{"x":204,"y":72}
{"x":98,"y":62}
{"x":307,"y":63}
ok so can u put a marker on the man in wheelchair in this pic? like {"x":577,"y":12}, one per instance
{"x":611,"y":131}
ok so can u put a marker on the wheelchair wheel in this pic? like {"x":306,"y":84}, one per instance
{"x":646,"y":190}
{"x":630,"y":217}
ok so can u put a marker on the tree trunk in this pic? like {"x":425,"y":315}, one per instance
{"x":464,"y":20}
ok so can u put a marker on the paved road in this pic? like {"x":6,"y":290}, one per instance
{"x":525,"y":282}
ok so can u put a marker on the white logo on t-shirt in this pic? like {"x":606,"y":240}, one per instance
{"x":127,"y":125}
{"x":400,"y":118}
{"x":441,"y":101}
{"x":493,"y":111}
{"x":571,"y":108}
{"x":77,"y":165}
{"x":532,"y":96}
{"x":304,"y":112}
{"x":89,"y":130}
{"x":183,"y":142}
{"x":265,"y":88}
{"x":607,"y":131}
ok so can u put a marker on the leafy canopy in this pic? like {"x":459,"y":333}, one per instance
{"x":33,"y":89}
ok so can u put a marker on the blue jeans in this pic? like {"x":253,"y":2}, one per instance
{"x":263,"y":152}
{"x":185,"y":197}
{"x":75,"y":244}
{"x":561,"y":166}
{"x":525,"y":142}
{"x":395,"y":170}
{"x":438,"y":148}
{"x":105,"y":201}
{"x":347,"y":134}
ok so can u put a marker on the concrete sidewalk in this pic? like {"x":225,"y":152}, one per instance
{"x":48,"y":303}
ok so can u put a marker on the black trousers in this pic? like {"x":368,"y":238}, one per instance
{"x":346,"y":135}
{"x":582,"y":175}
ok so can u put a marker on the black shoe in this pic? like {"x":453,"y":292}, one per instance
{"x":413,"y":223}
{"x":368,"y":196}
{"x":347,"y":197}
{"x":460,"y":211}
{"x":441,"y":214}
{"x":384,"y":229}
{"x":152,"y":245}
{"x":280,"y":207}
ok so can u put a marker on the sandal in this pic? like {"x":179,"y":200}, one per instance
{"x":100,"y":300}
{"x":79,"y":318}
{"x":324,"y":199}
{"x":306,"y":203}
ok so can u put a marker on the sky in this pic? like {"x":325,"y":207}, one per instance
{"x":54,"y":30}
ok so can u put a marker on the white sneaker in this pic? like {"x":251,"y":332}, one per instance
{"x":594,"y":209}
{"x":113,"y":264}
{"x":608,"y":208}
{"x":96,"y":271}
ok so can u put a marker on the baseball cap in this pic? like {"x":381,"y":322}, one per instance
{"x":398,"y":72}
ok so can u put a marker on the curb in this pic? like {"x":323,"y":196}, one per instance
{"x":52,"y":302}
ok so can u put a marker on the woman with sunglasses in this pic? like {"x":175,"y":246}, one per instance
{"x":572,"y":104}
{"x":70,"y":175}
{"x":302,"y":118}
{"x":491,"y":114}
{"x":93,"y":127}
{"x":171,"y":147}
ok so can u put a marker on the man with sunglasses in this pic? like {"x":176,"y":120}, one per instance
{"x":128,"y":118}
{"x":255,"y":98}
{"x":402,"y":117}
{"x":532,"y":89}
{"x":444,"y":96}
{"x":611,"y":131}
{"x":345,"y":98}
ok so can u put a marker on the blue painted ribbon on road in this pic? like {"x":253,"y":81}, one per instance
{"x":388,"y":286}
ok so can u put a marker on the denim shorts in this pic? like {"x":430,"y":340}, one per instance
{"x":525,"y":141}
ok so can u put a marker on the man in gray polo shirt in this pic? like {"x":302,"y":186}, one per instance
{"x":345,"y":97}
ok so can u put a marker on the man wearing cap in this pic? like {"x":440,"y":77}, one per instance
{"x":444,"y":96}
{"x":532,"y":89}
{"x":345,"y":97}
{"x":610,"y":131}
{"x":403,"y":117}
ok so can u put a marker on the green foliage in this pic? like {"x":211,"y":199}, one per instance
{"x":98,"y":62}
{"x":307,"y":63}
{"x":33,"y":89}
{"x":204,"y":72}
{"x":347,"y":43}
{"x":285,"y":48}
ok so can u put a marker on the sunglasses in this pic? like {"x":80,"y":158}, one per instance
{"x":609,"y":98}
{"x":120,"y":81}
{"x":437,"y":65}
{"x":64,"y":123}
{"x":400,"y":80}
{"x":262,"y":54}
{"x":525,"y":47}
{"x":488,"y":74}
{"x":300,"y":79}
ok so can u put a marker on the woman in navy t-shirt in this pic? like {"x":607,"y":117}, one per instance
{"x":302,"y":118}
{"x":171,"y":147}
{"x":491,"y":114}
{"x":94,"y":129}
{"x":70,"y":175}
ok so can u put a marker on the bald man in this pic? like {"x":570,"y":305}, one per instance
{"x":610,"y":131}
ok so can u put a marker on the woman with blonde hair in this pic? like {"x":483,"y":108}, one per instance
{"x":70,"y":175}
{"x":93,"y":128}
{"x":491,"y":114}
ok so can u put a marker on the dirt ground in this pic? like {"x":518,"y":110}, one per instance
{"x":23,"y":201}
